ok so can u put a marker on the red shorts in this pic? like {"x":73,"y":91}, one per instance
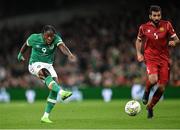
{"x":161,"y":68}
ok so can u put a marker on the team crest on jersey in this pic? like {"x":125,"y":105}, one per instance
{"x":161,"y":29}
{"x":38,"y":46}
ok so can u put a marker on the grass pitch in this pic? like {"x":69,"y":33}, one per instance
{"x":88,"y":114}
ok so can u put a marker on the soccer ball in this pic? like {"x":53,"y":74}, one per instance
{"x":132,"y":107}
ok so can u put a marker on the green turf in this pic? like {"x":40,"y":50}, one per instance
{"x":89,"y":115}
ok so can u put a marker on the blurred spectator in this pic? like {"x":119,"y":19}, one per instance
{"x":107,"y":94}
{"x":4,"y":95}
{"x":30,"y":95}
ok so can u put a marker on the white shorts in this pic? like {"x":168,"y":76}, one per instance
{"x":37,"y":66}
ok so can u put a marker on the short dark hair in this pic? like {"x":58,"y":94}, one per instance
{"x":48,"y":28}
{"x":154,"y":8}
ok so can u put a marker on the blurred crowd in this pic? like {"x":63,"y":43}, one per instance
{"x":103,"y":44}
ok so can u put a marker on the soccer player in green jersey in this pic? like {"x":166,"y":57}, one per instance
{"x":43,"y":46}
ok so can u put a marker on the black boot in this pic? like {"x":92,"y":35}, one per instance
{"x":149,"y":113}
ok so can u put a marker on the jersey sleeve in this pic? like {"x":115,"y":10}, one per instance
{"x":140,"y":33}
{"x":58,"y":40}
{"x":170,"y":29}
{"x":29,"y":40}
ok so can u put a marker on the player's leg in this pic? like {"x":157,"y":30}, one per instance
{"x":55,"y":89}
{"x":36,"y":69}
{"x":51,"y":101}
{"x":163,"y":79}
{"x":151,"y":81}
{"x":46,"y":72}
{"x":156,"y":97}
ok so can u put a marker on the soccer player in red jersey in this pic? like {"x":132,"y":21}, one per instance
{"x":155,"y":36}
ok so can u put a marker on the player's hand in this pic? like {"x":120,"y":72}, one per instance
{"x":72,"y":58}
{"x":20,"y":57}
{"x":140,"y":57}
{"x":172,"y":43}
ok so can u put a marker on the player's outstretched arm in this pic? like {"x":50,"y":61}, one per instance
{"x":138,"y":44}
{"x":65,"y":50}
{"x":23,"y":49}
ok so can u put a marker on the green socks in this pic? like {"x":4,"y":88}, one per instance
{"x":49,"y":107}
{"x":51,"y":84}
{"x":52,"y":98}
{"x":51,"y":101}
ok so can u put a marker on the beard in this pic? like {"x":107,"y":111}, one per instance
{"x":155,"y":22}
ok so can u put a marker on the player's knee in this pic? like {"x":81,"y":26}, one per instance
{"x":45,"y":73}
{"x":153,"y":79}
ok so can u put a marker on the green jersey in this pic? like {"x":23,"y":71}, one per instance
{"x":41,"y":52}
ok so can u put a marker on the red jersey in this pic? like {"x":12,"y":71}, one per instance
{"x":156,"y":39}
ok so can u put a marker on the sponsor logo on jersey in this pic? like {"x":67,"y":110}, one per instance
{"x":44,"y":50}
